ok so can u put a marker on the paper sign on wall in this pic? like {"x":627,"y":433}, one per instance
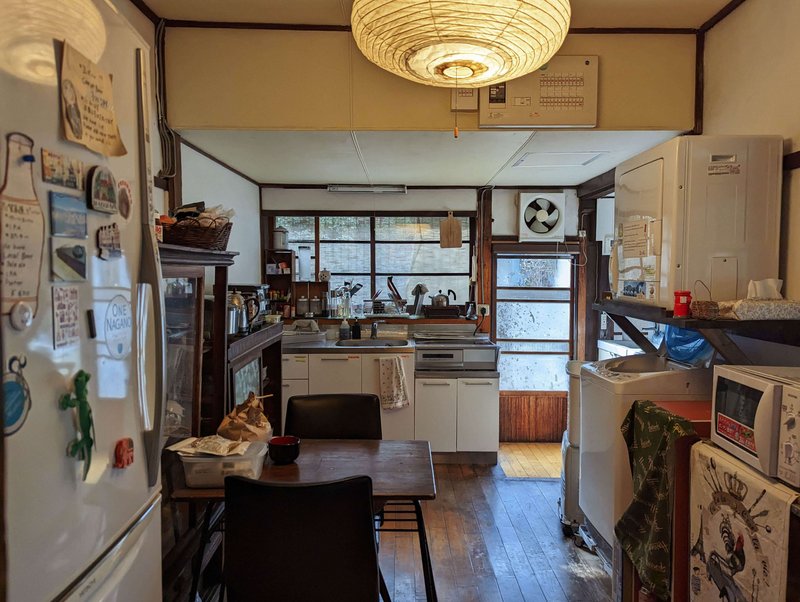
{"x":87,"y":105}
{"x":634,"y":239}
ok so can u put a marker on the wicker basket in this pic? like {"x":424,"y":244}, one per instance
{"x":704,"y":310}
{"x":190,"y":232}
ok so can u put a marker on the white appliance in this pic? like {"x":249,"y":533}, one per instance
{"x":98,"y":537}
{"x":570,"y":513}
{"x":697,"y":208}
{"x":754,"y":411}
{"x":607,"y":350}
{"x":547,"y":216}
{"x":608,"y":389}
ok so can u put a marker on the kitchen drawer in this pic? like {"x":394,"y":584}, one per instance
{"x":478,"y":423}
{"x":290,"y":388}
{"x":398,"y":423}
{"x":435,"y":412}
{"x":334,"y":373}
{"x":294,"y":366}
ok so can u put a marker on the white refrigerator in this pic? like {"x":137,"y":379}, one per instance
{"x":75,"y":532}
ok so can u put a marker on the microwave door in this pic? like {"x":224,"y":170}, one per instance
{"x":765,"y":429}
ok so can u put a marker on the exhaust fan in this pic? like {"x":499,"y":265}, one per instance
{"x":542,"y":216}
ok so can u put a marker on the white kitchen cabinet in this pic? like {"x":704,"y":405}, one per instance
{"x":478,"y":416}
{"x":290,"y":388}
{"x":435,"y":411}
{"x":399,"y":423}
{"x":294,"y":366}
{"x":334,"y":373}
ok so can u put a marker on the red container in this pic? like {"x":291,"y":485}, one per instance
{"x":683,"y":300}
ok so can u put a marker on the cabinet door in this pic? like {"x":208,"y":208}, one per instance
{"x":435,"y":412}
{"x":334,"y":373}
{"x":399,"y":423}
{"x":294,"y":366}
{"x":478,"y":414}
{"x":290,"y":388}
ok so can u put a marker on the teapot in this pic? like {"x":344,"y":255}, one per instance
{"x":442,"y":300}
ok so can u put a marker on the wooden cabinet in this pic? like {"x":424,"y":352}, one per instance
{"x":435,"y":412}
{"x":478,"y":421}
{"x":334,"y":373}
{"x":398,"y":423}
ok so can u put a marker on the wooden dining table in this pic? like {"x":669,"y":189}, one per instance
{"x":400,"y":471}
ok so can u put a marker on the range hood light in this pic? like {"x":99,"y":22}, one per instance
{"x":359,"y":188}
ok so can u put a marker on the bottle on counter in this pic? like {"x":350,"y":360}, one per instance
{"x":344,"y":330}
{"x":356,"y":329}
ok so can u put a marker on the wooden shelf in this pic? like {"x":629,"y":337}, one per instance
{"x":716,"y":332}
{"x":239,"y":345}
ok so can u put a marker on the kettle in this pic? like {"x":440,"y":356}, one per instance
{"x":442,"y":300}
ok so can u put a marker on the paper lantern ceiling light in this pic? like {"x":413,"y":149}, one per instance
{"x":464,"y":44}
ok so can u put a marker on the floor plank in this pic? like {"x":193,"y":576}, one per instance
{"x":530,"y":460}
{"x":494,"y":538}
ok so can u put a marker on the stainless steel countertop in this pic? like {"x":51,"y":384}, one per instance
{"x":329,"y":346}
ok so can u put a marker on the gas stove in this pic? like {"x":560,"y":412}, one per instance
{"x":442,"y":351}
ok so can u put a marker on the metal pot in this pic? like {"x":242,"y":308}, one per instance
{"x":233,"y":320}
{"x":442,"y":300}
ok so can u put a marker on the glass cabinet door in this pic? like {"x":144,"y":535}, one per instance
{"x":183,"y":298}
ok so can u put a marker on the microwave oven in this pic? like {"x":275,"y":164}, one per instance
{"x":754,"y":412}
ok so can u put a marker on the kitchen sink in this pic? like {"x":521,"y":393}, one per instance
{"x":372,"y":343}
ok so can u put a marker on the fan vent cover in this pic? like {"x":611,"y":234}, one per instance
{"x":542,"y":216}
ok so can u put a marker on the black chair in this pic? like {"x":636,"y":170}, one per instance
{"x":301,"y":542}
{"x":357,"y":416}
{"x":344,"y":416}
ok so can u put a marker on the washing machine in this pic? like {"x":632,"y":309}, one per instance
{"x":608,"y":389}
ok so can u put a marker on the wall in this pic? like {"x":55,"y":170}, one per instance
{"x":312,"y":80}
{"x":415,"y":200}
{"x":752,"y":86}
{"x":206,"y":180}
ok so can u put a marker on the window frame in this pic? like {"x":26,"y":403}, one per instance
{"x":543,"y":251}
{"x":271,"y":214}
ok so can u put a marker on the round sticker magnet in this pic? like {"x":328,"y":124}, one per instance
{"x":119,"y":327}
{"x":17,"y":395}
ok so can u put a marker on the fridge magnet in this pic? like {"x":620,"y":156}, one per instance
{"x":66,"y":330}
{"x":101,"y":190}
{"x":62,"y":170}
{"x":67,"y":215}
{"x":108,"y":242}
{"x":16,"y":394}
{"x":124,"y":199}
{"x":68,"y":260}
{"x":21,"y":316}
{"x":118,"y":325}
{"x":21,"y":227}
{"x":739,"y":529}
{"x":123,"y":453}
{"x":81,"y":446}
{"x":87,"y":105}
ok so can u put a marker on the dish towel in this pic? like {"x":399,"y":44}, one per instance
{"x":394,"y":394}
{"x":739,"y":530}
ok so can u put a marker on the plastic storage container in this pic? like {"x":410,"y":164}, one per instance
{"x":210,"y":471}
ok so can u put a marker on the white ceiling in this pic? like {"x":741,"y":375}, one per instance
{"x":543,"y":158}
{"x":481,"y":158}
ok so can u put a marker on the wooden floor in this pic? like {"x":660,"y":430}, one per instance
{"x":493,"y":538}
{"x":531,"y":460}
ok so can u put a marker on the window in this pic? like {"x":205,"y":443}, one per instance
{"x":533,"y":317}
{"x":367,"y":249}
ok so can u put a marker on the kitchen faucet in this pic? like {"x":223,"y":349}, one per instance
{"x":373,"y":332}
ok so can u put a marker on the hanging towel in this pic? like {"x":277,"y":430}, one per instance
{"x":394,"y":394}
{"x":739,"y":530}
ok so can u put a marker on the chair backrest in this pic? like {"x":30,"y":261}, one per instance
{"x":334,"y":416}
{"x":300,"y":542}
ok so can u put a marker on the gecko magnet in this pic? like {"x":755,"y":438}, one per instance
{"x":81,"y":446}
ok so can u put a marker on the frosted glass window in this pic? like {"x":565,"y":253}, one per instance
{"x":550,"y":272}
{"x":405,"y":284}
{"x":345,"y":257}
{"x":533,"y":320}
{"x":344,"y":228}
{"x":301,"y":229}
{"x":409,"y":258}
{"x":527,"y":372}
{"x":414,"y":228}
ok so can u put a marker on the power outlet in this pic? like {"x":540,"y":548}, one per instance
{"x":581,"y":233}
{"x":483,"y":310}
